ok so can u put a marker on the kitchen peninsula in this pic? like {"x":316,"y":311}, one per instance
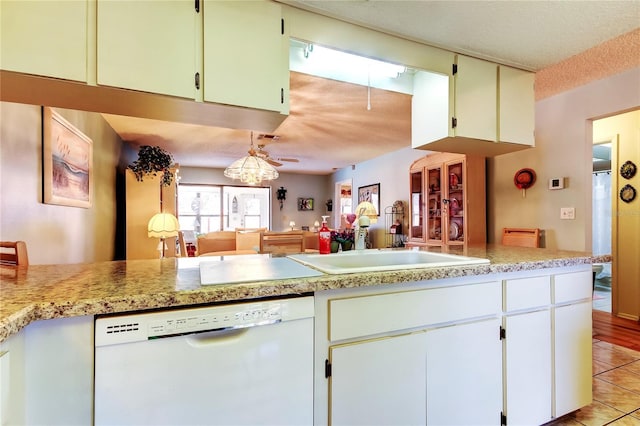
{"x":519,"y":284}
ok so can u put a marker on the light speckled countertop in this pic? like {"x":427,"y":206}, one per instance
{"x":40,"y":292}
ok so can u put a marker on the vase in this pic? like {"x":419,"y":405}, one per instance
{"x":347,"y":245}
{"x":334,"y":246}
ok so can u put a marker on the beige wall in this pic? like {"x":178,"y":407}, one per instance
{"x":624,"y":129}
{"x":563,"y":149}
{"x":55,"y":234}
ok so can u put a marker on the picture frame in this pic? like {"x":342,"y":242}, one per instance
{"x":67,"y":162}
{"x":370,"y":193}
{"x":305,"y":204}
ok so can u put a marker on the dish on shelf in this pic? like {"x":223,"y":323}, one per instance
{"x":454,"y":231}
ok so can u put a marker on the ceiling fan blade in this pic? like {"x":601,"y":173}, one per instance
{"x":291,"y":160}
{"x":273,"y":163}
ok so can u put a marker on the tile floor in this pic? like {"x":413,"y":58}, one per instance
{"x":616,"y":389}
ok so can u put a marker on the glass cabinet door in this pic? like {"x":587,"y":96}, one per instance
{"x":417,"y":210}
{"x":434,"y":204}
{"x":455,"y":202}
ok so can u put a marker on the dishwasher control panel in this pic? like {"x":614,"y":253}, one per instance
{"x":138,"y":327}
{"x":220,"y":319}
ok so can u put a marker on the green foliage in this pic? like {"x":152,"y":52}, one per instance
{"x":151,"y":161}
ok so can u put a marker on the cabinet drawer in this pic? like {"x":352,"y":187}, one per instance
{"x":527,"y":293}
{"x":383,"y":313}
{"x":572,"y":286}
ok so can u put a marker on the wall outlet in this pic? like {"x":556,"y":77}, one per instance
{"x":567,"y":213}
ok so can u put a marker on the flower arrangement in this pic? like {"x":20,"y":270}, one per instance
{"x":343,"y":236}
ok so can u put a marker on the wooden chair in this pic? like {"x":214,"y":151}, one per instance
{"x":282,"y":242}
{"x":249,"y":239}
{"x":521,"y":237}
{"x":13,"y":253}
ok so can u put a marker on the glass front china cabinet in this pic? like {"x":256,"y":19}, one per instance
{"x":448,"y":205}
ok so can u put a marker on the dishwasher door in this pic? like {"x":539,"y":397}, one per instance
{"x":253,"y":367}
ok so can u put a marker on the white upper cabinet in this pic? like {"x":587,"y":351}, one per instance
{"x":47,"y":38}
{"x":516,"y":100}
{"x":148,"y":46}
{"x":481,"y":108}
{"x":246,"y":60}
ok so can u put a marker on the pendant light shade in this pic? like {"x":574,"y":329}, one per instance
{"x":251,"y":169}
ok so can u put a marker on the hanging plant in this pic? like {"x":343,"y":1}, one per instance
{"x":151,"y":161}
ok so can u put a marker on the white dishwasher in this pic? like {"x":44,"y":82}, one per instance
{"x":237,"y":364}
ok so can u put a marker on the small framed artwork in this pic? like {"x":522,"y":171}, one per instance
{"x":370,"y":193}
{"x":67,"y":156}
{"x":305,"y":203}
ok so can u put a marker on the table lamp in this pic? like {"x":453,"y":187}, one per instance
{"x":366,"y":215}
{"x":163,"y":225}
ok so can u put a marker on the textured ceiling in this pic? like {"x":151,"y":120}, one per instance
{"x":526,"y":34}
{"x":329,"y":126}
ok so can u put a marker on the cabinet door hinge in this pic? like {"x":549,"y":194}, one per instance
{"x":197,"y":80}
{"x":282,"y":95}
{"x":503,"y":333}
{"x":503,"y":419}
{"x":282,"y":26}
{"x":197,"y":6}
{"x":327,"y":368}
{"x":454,"y":69}
{"x":454,"y":122}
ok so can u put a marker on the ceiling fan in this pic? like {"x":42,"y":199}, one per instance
{"x":273,"y":161}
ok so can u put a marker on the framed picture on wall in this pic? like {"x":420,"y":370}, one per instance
{"x":370,"y":193}
{"x":67,"y":156}
{"x":305,"y":203}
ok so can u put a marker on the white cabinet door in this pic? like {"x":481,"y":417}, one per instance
{"x":528,"y":368}
{"x":59,"y":371}
{"x":245,"y":54}
{"x":44,"y":38}
{"x":430,"y":109}
{"x":475,"y":104}
{"x":464,"y":374}
{"x":516,"y":99}
{"x":379,"y":382}
{"x":572,"y":357}
{"x":148,"y":46}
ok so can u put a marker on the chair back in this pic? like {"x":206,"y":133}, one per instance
{"x":283,"y":242}
{"x":13,"y":253}
{"x":521,"y":237}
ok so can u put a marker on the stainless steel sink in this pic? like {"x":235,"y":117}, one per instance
{"x":382,"y":260}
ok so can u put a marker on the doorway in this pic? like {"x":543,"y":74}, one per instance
{"x":601,"y":222}
{"x":344,"y":204}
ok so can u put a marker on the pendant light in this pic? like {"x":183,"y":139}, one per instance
{"x":251,"y":169}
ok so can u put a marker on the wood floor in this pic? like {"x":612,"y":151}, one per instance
{"x":619,"y":331}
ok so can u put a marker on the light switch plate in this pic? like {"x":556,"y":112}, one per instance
{"x":567,"y":213}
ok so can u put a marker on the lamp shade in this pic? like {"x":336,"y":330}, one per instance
{"x":163,"y":225}
{"x":365,"y":208}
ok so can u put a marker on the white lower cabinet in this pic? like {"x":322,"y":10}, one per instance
{"x":572,"y":357}
{"x":572,"y":341}
{"x":379,"y":382}
{"x":49,"y":380}
{"x":422,"y":356}
{"x":464,"y":374}
{"x":445,"y":376}
{"x":528,"y":368}
{"x":515,"y":351}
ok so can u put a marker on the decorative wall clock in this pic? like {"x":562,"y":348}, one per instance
{"x":628,"y":170}
{"x":627,"y":193}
